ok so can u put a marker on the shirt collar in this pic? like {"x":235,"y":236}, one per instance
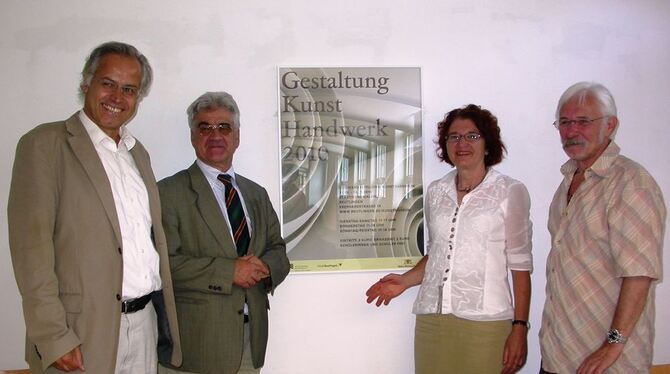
{"x":211,"y":173}
{"x":600,"y":167}
{"x":98,"y":136}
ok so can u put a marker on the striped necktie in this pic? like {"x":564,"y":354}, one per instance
{"x":238,"y":222}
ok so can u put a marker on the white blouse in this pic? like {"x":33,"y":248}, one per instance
{"x":472,"y":246}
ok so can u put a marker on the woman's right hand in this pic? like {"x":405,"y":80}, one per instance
{"x":386,"y":289}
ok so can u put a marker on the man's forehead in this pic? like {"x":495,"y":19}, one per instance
{"x":214,"y":112}
{"x":116,"y":62}
{"x":582,"y":102}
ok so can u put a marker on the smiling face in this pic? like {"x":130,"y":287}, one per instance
{"x":217,"y":148}
{"x":111,"y":97}
{"x":585,"y":144}
{"x":464,"y":154}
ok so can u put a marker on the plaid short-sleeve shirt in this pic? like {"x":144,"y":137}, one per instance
{"x":612,"y":228}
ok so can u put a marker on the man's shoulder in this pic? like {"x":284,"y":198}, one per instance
{"x":180,"y":178}
{"x":45,"y":138}
{"x":49,"y":127}
{"x":627,"y":164}
{"x":626,"y":170}
{"x":45,"y":131}
{"x":51,"y":130}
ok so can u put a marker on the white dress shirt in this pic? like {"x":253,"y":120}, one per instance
{"x":472,"y":247}
{"x":140,"y":259}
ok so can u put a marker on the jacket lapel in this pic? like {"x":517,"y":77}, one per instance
{"x":210,"y":211}
{"x":143,"y":164}
{"x":83,"y":149}
{"x":252,"y":207}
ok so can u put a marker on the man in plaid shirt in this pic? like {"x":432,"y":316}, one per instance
{"x":607,"y":222}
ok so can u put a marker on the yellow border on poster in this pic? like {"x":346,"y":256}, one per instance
{"x":353,"y":264}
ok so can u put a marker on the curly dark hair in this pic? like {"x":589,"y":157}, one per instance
{"x":486,"y":123}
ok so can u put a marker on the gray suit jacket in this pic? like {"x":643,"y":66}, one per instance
{"x":66,"y":247}
{"x":202,"y":258}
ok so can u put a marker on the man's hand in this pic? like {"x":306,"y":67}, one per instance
{"x":386,"y":289}
{"x":514,"y":354}
{"x":598,"y":361}
{"x":70,"y":361}
{"x":249,"y":270}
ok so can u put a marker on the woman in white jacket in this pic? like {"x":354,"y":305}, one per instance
{"x":478,"y":231}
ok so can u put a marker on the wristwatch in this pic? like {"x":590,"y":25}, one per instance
{"x":521,"y":322}
{"x":615,"y":336}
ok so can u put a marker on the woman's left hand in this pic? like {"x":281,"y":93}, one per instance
{"x":514,"y":355}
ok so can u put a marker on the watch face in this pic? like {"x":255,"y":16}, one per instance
{"x":614,"y":336}
{"x":611,"y":336}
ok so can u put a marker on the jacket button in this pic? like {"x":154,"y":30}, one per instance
{"x":118,"y":297}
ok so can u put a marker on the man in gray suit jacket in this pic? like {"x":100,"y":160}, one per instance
{"x":88,"y":249}
{"x":226,"y":251}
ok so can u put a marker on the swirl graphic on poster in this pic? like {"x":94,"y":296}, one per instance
{"x":351,"y":167}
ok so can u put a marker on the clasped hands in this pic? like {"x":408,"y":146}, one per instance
{"x":249,"y":270}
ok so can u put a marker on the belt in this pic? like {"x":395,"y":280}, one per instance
{"x":135,"y":305}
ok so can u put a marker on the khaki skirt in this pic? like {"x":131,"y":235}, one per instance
{"x":444,"y":343}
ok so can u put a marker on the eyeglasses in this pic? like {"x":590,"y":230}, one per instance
{"x":205,"y":129}
{"x":471,"y":137}
{"x":564,"y":123}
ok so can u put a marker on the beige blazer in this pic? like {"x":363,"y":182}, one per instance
{"x":202,"y":258}
{"x":66,"y":247}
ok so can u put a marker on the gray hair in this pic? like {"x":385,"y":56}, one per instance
{"x":589,"y":89}
{"x":117,"y":48}
{"x":213,"y":100}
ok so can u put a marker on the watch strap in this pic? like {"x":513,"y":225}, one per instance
{"x":521,"y":322}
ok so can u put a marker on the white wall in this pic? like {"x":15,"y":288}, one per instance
{"x":513,"y":57}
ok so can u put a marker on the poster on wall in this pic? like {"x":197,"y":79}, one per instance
{"x":351,"y":167}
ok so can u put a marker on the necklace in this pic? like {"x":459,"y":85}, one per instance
{"x":468,"y":188}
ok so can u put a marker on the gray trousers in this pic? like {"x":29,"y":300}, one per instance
{"x":138,"y":337}
{"x":246,"y":367}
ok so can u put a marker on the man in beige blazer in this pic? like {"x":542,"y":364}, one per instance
{"x":221,"y":285}
{"x":88,"y":249}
